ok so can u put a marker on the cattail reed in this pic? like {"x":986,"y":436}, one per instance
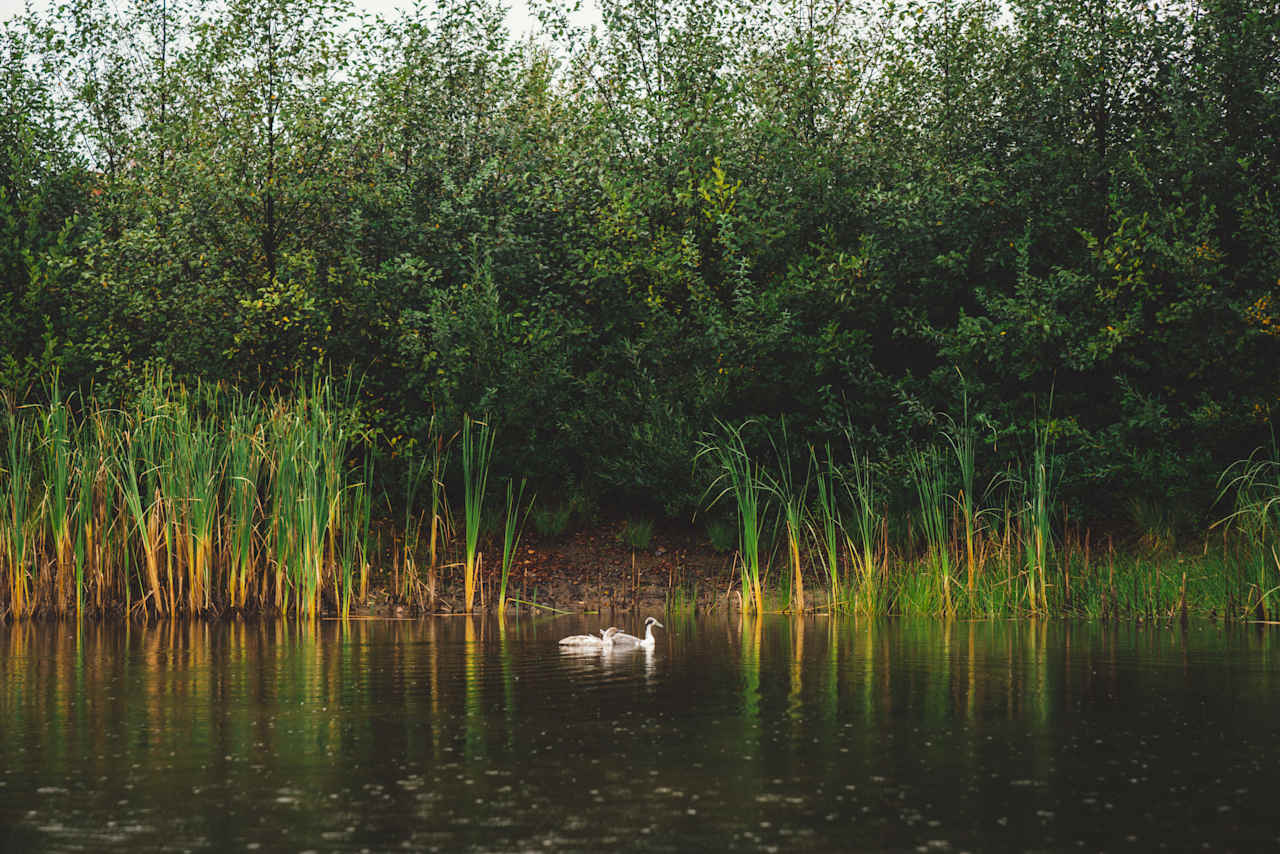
{"x":188,"y":500}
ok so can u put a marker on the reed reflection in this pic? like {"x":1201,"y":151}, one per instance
{"x":473,"y":680}
{"x":795,"y":696}
{"x":751,"y":630}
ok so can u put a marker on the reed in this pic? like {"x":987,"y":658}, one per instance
{"x":190,"y":499}
{"x":58,"y":466}
{"x":441,"y":525}
{"x":1038,"y":536}
{"x":1253,"y":485}
{"x":860,"y":542}
{"x":424,"y":473}
{"x":199,"y":458}
{"x":741,"y":477}
{"x":928,"y":476}
{"x":791,"y":496}
{"x":16,"y":535}
{"x":961,"y":438}
{"x":405,"y":581}
{"x":517,"y":516}
{"x":356,"y":520}
{"x":825,"y":524}
{"x":477,"y":452}
{"x":89,"y":468}
{"x":240,"y":502}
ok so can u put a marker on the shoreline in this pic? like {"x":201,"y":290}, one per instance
{"x":591,"y":571}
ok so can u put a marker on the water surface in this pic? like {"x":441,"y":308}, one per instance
{"x":775,"y":735}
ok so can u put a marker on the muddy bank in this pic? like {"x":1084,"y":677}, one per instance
{"x":590,"y":570}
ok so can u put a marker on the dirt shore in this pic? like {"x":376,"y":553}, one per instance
{"x":591,"y":570}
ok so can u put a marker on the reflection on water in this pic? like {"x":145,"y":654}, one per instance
{"x":743,"y":734}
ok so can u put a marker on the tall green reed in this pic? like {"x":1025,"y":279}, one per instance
{"x":517,"y":516}
{"x":960,"y":436}
{"x":1038,"y":534}
{"x":55,"y":442}
{"x":89,"y":468}
{"x":1254,"y":486}
{"x":356,"y":522}
{"x":16,"y":535}
{"x":194,"y":498}
{"x":406,"y":569}
{"x":860,"y":537}
{"x":425,"y":472}
{"x":791,"y":495}
{"x":742,"y":478}
{"x":477,"y":453}
{"x":240,"y":502}
{"x":928,"y":475}
{"x":826,"y":525}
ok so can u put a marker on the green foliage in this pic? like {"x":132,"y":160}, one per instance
{"x":551,"y":521}
{"x":636,"y":533}
{"x":721,"y":533}
{"x":607,"y":241}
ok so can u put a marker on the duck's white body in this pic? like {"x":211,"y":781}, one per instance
{"x":591,"y":641}
{"x":622,"y":639}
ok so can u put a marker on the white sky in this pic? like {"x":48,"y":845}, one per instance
{"x":521,"y":22}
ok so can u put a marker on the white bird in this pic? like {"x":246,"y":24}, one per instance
{"x":622,"y":639}
{"x":591,"y":641}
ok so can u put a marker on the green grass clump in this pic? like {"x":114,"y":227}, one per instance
{"x":552,"y":521}
{"x":721,"y":533}
{"x":636,"y":534}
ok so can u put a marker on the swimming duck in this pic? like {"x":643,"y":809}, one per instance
{"x":605,"y":639}
{"x":622,"y":639}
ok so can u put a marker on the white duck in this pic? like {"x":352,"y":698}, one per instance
{"x":591,"y":641}
{"x":624,"y":640}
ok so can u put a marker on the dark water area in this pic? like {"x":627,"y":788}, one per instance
{"x":458,"y":734}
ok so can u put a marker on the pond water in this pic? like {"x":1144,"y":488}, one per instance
{"x":774,"y":735}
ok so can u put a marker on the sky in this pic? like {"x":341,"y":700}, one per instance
{"x":521,"y":22}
